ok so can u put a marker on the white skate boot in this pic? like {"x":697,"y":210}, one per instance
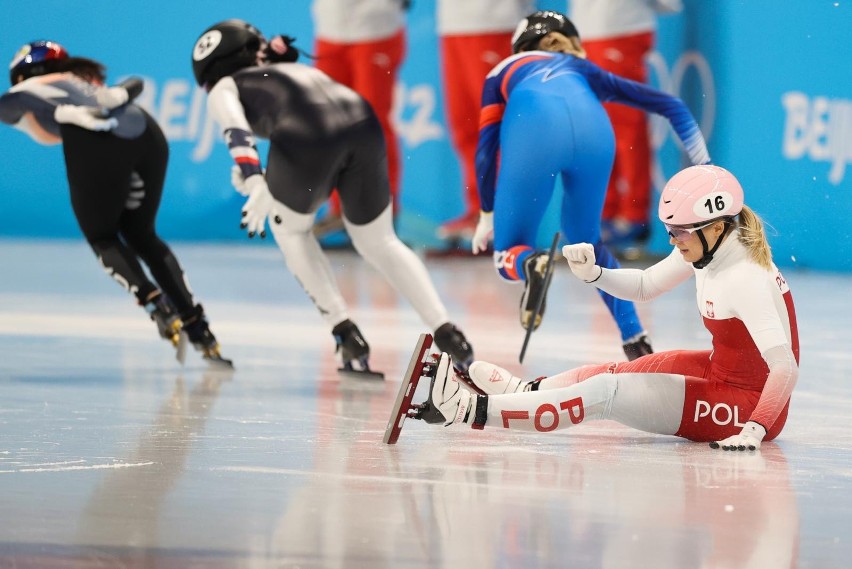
{"x":448,"y":401}
{"x":494,"y":380}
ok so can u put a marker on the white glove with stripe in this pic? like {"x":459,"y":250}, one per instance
{"x":581,"y":259}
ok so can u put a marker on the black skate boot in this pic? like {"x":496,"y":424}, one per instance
{"x":450,"y":339}
{"x":165,"y":316}
{"x":354,"y":351}
{"x":637,"y":346}
{"x":535,"y":288}
{"x":197,"y":329}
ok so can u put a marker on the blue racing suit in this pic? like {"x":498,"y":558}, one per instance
{"x":542,"y":116}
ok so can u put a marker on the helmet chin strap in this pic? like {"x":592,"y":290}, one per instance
{"x":708,"y":253}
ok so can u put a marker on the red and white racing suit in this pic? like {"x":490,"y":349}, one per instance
{"x":705,"y":395}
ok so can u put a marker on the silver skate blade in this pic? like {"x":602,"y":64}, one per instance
{"x":402,"y":405}
{"x":548,"y":275}
{"x":366,"y":374}
{"x":218,"y":362}
{"x":180,"y":353}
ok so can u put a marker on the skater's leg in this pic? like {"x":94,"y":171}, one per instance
{"x":305,"y":259}
{"x":378,"y":244}
{"x":495,"y":380}
{"x":137,"y":227}
{"x":650,"y":402}
{"x":98,"y":197}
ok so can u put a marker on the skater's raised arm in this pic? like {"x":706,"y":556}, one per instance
{"x":630,"y":284}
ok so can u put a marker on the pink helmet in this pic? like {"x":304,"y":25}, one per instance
{"x":700,"y":194}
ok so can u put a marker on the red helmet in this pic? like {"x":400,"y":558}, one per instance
{"x":700,"y":194}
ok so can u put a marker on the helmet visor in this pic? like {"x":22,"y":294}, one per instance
{"x":681,"y":233}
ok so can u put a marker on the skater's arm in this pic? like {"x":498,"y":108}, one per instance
{"x":629,"y":284}
{"x":34,"y":107}
{"x":488,"y":147}
{"x":754,"y":304}
{"x":121,"y":94}
{"x":611,"y":87}
{"x":223,"y":103}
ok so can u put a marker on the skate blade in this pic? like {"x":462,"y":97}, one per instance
{"x":215,"y":360}
{"x":548,"y":275}
{"x":402,"y":406}
{"x":180,"y":347}
{"x":367,"y":374}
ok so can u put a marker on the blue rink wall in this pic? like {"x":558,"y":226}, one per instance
{"x":769,"y":80}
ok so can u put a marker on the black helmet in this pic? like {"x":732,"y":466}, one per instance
{"x":224,"y":48}
{"x":539,"y":24}
{"x":34,"y":59}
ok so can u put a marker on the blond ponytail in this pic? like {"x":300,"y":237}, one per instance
{"x":752,"y":234}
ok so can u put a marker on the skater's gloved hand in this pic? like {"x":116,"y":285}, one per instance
{"x":484,"y":232}
{"x":748,"y":439}
{"x":238,"y":181}
{"x":90,"y":118}
{"x":581,"y":259}
{"x":112,"y":97}
{"x":257,"y":207}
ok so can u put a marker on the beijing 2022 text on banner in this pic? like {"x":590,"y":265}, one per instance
{"x":767,"y":80}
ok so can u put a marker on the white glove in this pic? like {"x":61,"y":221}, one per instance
{"x":238,"y":181}
{"x":581,"y":259}
{"x":112,"y":97}
{"x":89,"y":118}
{"x":257,"y":207}
{"x":748,"y":439}
{"x":484,"y":232}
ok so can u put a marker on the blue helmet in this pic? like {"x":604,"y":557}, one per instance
{"x":33,"y":59}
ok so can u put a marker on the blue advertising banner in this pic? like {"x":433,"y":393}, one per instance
{"x":770,"y":82}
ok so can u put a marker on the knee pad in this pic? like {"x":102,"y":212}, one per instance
{"x":509,"y":263}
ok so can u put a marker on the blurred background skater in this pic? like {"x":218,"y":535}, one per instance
{"x":323,"y":135}
{"x":474,"y":36}
{"x":542,"y":118}
{"x":618,"y":35}
{"x":733,"y":396}
{"x":115,"y":160}
{"x":361,"y":44}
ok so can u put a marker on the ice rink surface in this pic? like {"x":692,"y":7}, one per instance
{"x":113,"y":455}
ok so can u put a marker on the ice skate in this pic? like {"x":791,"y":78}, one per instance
{"x":165,"y":316}
{"x":196,"y":331}
{"x":450,"y":339}
{"x":539,"y":270}
{"x":494,"y":380}
{"x":448,"y":402}
{"x":534,"y":267}
{"x":637,"y":347}
{"x":354,"y":352}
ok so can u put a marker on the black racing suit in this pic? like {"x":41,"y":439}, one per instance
{"x":322,"y":136}
{"x":115,"y":178}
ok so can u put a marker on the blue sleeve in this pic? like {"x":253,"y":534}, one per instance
{"x":610,"y":87}
{"x":488,"y":147}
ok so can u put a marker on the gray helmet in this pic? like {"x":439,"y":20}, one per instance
{"x":539,"y":24}
{"x":223,"y":49}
